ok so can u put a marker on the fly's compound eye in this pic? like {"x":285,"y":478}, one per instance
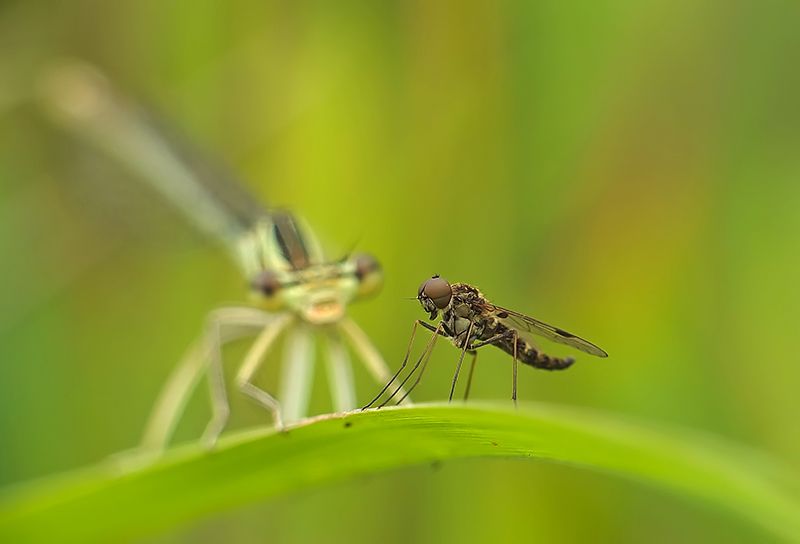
{"x":368,"y":273}
{"x":267,"y":286}
{"x":438,"y":291}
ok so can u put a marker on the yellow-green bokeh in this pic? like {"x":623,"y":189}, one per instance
{"x":628,"y":171}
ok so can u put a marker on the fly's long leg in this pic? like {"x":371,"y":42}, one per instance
{"x":340,"y":374}
{"x":363,"y":347}
{"x":471,"y":371}
{"x":297,"y":374}
{"x":514,"y":371}
{"x":416,"y":382}
{"x":252,"y":362}
{"x":233,"y":323}
{"x":402,"y":366}
{"x":423,"y":359}
{"x":461,"y":359}
{"x":513,"y":334}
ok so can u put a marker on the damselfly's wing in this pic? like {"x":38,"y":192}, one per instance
{"x":525,"y":325}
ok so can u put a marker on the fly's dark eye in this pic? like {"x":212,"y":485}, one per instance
{"x":368,"y":273}
{"x":266,"y":283}
{"x":438,"y":290}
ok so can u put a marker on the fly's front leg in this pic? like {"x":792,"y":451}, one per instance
{"x":423,"y":359}
{"x":402,"y":366}
{"x":437,"y":331}
{"x":229,"y":324}
{"x":417,"y":323}
{"x":367,"y":352}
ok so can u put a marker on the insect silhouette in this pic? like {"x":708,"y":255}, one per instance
{"x":471,"y":322}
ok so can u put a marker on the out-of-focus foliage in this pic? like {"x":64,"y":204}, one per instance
{"x":626,"y":170}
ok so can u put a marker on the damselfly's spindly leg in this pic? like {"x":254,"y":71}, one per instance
{"x":297,"y":373}
{"x":340,"y":373}
{"x":232,"y":323}
{"x":252,"y":362}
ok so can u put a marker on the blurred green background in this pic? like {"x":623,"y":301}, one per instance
{"x":628,"y":171}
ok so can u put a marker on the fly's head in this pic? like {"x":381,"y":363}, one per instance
{"x":434,"y":295}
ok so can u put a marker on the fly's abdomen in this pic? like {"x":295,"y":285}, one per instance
{"x":546,"y":362}
{"x":530,"y":356}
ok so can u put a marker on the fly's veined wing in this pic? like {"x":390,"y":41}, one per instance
{"x":524,"y":324}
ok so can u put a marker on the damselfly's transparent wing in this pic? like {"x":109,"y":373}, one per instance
{"x":526,"y":325}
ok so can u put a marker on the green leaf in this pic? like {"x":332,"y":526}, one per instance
{"x":110,"y":503}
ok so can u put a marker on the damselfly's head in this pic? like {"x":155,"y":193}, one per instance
{"x":289,"y":272}
{"x":434,"y":295}
{"x":319,"y":293}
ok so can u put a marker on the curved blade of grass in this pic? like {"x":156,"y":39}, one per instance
{"x":107,"y":503}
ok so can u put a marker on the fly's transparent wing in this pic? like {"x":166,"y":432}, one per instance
{"x":524,"y":324}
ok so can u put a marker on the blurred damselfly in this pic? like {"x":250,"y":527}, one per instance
{"x":298,"y":292}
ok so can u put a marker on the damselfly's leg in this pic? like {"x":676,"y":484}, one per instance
{"x":399,"y":370}
{"x":220,"y":409}
{"x":252,"y":362}
{"x":373,"y":361}
{"x":461,"y":359}
{"x":232,"y":323}
{"x":297,"y":373}
{"x":340,"y":373}
{"x":474,"y":354}
{"x":423,"y":359}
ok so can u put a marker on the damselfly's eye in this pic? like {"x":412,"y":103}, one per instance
{"x":267,"y":285}
{"x":368,"y":273}
{"x":438,"y":290}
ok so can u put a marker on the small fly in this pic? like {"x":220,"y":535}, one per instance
{"x":471,"y":322}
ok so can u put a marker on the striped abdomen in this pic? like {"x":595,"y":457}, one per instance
{"x":529,"y":355}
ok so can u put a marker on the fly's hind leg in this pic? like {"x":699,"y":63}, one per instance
{"x":510,"y":333}
{"x":474,"y":354}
